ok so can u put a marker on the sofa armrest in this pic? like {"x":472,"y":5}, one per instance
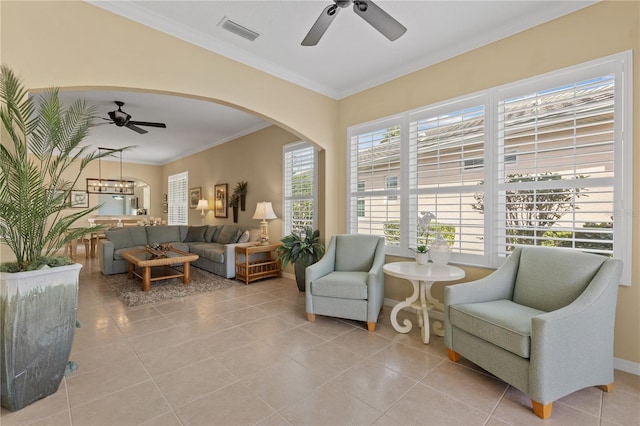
{"x":105,"y":252}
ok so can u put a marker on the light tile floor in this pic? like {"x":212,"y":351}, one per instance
{"x":247,"y":355}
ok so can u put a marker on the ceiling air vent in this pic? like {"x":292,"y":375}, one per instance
{"x":238,"y":29}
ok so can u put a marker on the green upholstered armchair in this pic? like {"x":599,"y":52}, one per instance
{"x":543,"y":322}
{"x":348,"y":282}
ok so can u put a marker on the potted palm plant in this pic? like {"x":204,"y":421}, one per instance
{"x":38,"y":291}
{"x":302,"y":250}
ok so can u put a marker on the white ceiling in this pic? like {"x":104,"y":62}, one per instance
{"x":352,"y":56}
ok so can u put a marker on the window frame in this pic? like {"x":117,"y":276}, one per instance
{"x":178,"y":203}
{"x":287,"y":226}
{"x":620,"y":65}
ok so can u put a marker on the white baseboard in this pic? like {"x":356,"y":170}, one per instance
{"x":288,"y":275}
{"x":618,"y":364}
{"x":626,"y":366}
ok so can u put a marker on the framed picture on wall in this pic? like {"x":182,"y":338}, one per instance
{"x":79,"y":199}
{"x":194,"y":196}
{"x":221,"y":191}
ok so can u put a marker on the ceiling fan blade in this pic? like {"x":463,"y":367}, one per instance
{"x":320,"y":27}
{"x":379,"y":19}
{"x":146,"y":123}
{"x":135,"y":128}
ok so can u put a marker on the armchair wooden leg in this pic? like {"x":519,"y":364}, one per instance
{"x":371,"y":326}
{"x":606,"y":388}
{"x":311,"y":317}
{"x":542,"y":411}
{"x":453,"y":355}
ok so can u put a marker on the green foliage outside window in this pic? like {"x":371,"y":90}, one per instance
{"x":392,"y":233}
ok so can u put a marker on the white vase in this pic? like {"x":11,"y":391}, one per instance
{"x":439,"y":251}
{"x":422,"y":258}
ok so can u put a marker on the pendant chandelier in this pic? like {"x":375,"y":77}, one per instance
{"x":109,"y":186}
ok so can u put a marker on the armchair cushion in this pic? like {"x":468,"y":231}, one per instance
{"x":563,"y":278}
{"x":343,"y":285}
{"x":355,"y":252}
{"x":501,"y":322}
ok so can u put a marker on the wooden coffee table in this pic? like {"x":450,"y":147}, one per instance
{"x":144,"y":261}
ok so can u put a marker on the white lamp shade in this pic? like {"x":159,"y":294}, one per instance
{"x":264,"y":210}
{"x":203,"y":205}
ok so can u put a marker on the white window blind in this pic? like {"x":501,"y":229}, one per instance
{"x":441,"y":142}
{"x":561,"y":191}
{"x":374,"y":187}
{"x":300,"y":183}
{"x":178,"y":199}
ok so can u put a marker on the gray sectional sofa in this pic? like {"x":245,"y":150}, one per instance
{"x":214,"y":244}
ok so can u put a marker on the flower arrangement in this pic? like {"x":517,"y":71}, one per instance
{"x":424,"y":220}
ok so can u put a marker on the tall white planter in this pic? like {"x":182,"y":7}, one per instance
{"x":37,"y":319}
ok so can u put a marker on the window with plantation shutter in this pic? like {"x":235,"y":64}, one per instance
{"x":545,"y":161}
{"x":299,"y":185}
{"x":441,"y":142}
{"x":561,"y":190}
{"x":178,"y":199}
{"x":374,"y":185}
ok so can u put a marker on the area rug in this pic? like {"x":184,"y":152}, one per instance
{"x":131,"y":294}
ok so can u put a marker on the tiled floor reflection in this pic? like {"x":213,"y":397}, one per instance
{"x":247,"y":355}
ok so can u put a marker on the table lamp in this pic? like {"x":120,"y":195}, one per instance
{"x":264,"y":211}
{"x":202,"y":206}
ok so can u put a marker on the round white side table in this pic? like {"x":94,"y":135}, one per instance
{"x":422,"y":278}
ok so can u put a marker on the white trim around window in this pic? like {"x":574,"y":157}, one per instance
{"x":178,"y":199}
{"x":300,"y":187}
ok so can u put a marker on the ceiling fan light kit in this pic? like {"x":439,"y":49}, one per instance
{"x":366,"y":9}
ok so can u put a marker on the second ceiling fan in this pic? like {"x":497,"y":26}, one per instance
{"x":366,"y":9}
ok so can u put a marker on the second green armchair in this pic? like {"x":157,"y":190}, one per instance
{"x":348,"y":282}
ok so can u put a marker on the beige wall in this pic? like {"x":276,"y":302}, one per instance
{"x":255,"y":158}
{"x":78,"y":49}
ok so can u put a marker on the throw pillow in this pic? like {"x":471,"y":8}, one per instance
{"x":236,"y":236}
{"x":226,"y":234}
{"x":195,"y":234}
{"x":210,"y":233}
{"x":244,"y":237}
{"x":119,"y":237}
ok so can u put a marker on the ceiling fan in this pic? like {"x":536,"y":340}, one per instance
{"x":366,"y":9}
{"x":122,"y":119}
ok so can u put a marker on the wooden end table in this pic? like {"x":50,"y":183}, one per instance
{"x":144,"y":260}
{"x":422,"y":278}
{"x":248,"y":270}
